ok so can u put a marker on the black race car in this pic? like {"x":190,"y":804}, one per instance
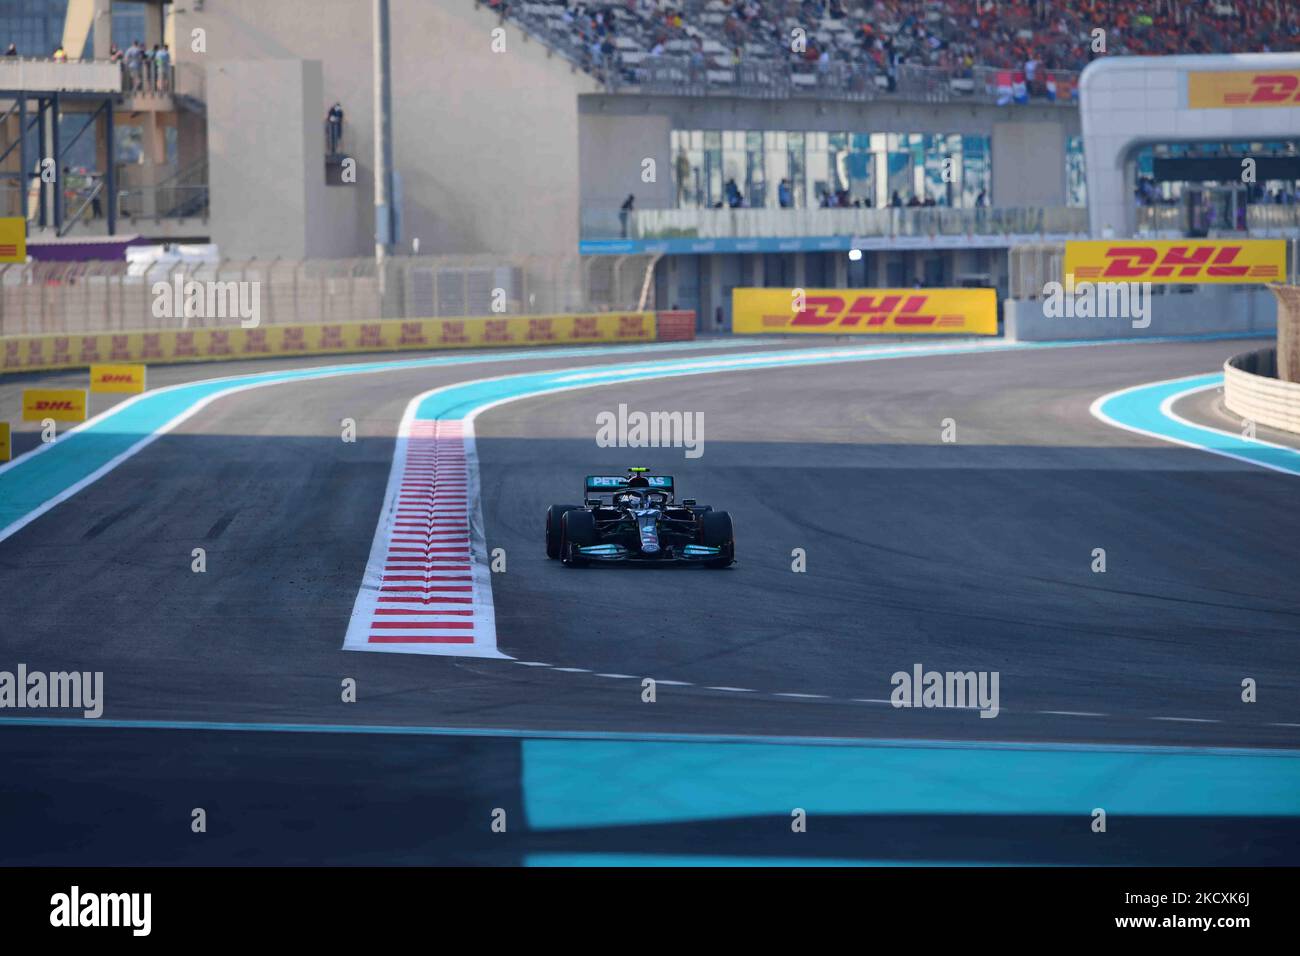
{"x":634,"y":517}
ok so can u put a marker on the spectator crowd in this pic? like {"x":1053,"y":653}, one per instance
{"x":611,"y":38}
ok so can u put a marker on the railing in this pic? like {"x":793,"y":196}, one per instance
{"x":650,"y":224}
{"x":59,"y":297}
{"x":1262,"y":220}
{"x":684,"y":76}
{"x":57,"y":76}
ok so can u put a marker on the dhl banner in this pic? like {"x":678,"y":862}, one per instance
{"x":60,"y":404}
{"x":1252,"y":88}
{"x":13,"y":239}
{"x":857,"y":311}
{"x":117,"y":378}
{"x":6,"y":449}
{"x":34,"y":352}
{"x":1176,"y":260}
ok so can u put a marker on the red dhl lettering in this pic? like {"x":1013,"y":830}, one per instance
{"x":1275,"y":88}
{"x":1131,"y":262}
{"x":45,"y":405}
{"x":825,"y":309}
{"x":116,"y":378}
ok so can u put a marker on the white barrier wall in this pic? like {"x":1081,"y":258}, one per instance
{"x":1208,"y":310}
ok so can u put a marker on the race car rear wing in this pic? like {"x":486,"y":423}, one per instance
{"x":610,"y":484}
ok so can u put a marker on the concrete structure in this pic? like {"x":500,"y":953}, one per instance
{"x":485,"y":142}
{"x":1186,"y":310}
{"x":1252,"y":389}
{"x":1126,"y":102}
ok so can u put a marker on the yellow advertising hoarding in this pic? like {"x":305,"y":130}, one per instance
{"x":117,"y":378}
{"x":866,"y":311}
{"x":60,"y":404}
{"x":13,"y":239}
{"x":6,"y":448}
{"x":35,"y":352}
{"x":1176,"y":260}
{"x":1237,"y":88}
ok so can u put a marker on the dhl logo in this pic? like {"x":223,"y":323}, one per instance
{"x":874,"y":310}
{"x":1241,"y":261}
{"x":1228,"y":89}
{"x":117,"y":378}
{"x":62,"y":405}
{"x":857,"y":311}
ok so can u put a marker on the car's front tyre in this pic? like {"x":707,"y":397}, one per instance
{"x":577,"y":529}
{"x":553,"y":516}
{"x":716,"y":531}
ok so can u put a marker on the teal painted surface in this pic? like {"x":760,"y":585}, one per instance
{"x":1140,"y":408}
{"x":615,"y":783}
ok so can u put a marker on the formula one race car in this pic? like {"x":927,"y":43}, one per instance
{"x":634,"y":517}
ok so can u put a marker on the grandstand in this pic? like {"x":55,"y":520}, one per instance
{"x":755,"y":142}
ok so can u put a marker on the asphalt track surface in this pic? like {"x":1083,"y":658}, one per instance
{"x":970,"y":555}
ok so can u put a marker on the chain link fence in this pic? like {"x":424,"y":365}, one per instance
{"x":56,"y":297}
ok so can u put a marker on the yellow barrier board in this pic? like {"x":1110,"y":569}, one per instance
{"x":13,"y":239}
{"x":1233,"y":89}
{"x":865,"y":311}
{"x":1191,"y":261}
{"x":117,"y":378}
{"x":60,"y":404}
{"x":6,"y":448}
{"x":35,"y":352}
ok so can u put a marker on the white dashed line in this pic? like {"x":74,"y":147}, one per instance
{"x":1071,"y":713}
{"x":805,"y":696}
{"x":532,"y":664}
{"x":572,"y":670}
{"x":734,"y":690}
{"x":619,"y":676}
{"x":1188,"y":720}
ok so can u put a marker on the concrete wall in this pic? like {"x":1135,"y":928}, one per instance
{"x":1029,"y":164}
{"x":1251,"y":390}
{"x":611,"y":153}
{"x":259,"y":191}
{"x":1205,"y":311}
{"x":1037,"y":131}
{"x":486,"y":143}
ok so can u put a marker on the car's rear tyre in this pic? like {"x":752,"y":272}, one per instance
{"x":716,"y":532}
{"x":577,"y":529}
{"x":553,"y":515}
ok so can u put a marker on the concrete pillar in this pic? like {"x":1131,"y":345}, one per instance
{"x":841,"y":270}
{"x":103,"y":27}
{"x":1288,"y":332}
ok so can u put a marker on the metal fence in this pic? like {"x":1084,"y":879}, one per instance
{"x":682,"y":76}
{"x":55,"y":297}
{"x":894,"y":222}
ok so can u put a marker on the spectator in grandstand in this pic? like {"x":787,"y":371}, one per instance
{"x":134,"y":60}
{"x":895,"y":200}
{"x":163,"y":66}
{"x":334,"y":126}
{"x":785,"y":196}
{"x":982,"y":199}
{"x":12,"y":50}
{"x":60,"y":56}
{"x":734,"y":197}
{"x":683,"y":172}
{"x":624,"y":211}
